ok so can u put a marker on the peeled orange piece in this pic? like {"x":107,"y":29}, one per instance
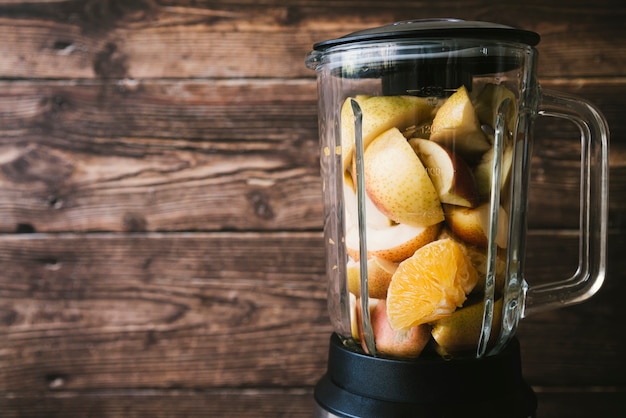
{"x":429,"y":285}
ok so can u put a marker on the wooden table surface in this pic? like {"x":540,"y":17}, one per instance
{"x":161,"y":251}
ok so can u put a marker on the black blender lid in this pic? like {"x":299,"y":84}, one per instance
{"x":435,"y":28}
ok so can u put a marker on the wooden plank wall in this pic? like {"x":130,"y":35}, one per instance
{"x":161,"y":251}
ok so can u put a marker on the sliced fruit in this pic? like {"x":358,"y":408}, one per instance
{"x":385,"y":238}
{"x":472,"y":224}
{"x":374,"y":218}
{"x":355,"y":316}
{"x":483,"y":172}
{"x":466,"y":224}
{"x":393,"y":243}
{"x":379,"y":272}
{"x":397,"y":182}
{"x":488,"y":102}
{"x":429,"y":285}
{"x":402,"y":344}
{"x":456,"y":126}
{"x":459,"y":333}
{"x":478,"y":258}
{"x":419,"y":131}
{"x":380,"y":113}
{"x":450,"y":174}
{"x":349,"y":183}
{"x":347,"y":129}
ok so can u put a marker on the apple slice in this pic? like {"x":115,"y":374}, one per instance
{"x":380,"y":113}
{"x":471,"y":225}
{"x":397,"y":182}
{"x":450,"y":174}
{"x":456,"y":126}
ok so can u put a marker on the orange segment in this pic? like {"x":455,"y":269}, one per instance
{"x":429,"y":285}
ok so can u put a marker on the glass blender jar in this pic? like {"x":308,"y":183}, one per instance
{"x":426,"y":136}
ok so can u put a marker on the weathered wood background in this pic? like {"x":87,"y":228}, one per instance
{"x":161,"y":251}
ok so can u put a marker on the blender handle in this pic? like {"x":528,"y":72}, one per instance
{"x":591,"y":271}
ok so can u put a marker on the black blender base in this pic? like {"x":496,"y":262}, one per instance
{"x":357,"y":385}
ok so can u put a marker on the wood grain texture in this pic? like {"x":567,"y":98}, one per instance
{"x":296,"y":403}
{"x":293,"y":403}
{"x":160,"y":205}
{"x":160,"y":156}
{"x":231,"y":39}
{"x":235,"y":309}
{"x":219,"y":155}
{"x":163,"y":311}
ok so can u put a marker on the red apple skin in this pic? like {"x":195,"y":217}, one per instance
{"x":452,"y":176}
{"x":396,"y":344}
{"x":464,"y":184}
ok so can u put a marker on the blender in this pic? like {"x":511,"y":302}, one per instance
{"x":425,"y":145}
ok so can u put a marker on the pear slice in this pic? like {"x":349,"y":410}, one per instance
{"x":397,"y":182}
{"x":355,"y":315}
{"x":457,"y":127}
{"x":380,"y":113}
{"x":471,"y":225}
{"x":393,"y":243}
{"x":385,"y":239}
{"x":483,"y":173}
{"x":379,"y":272}
{"x":488,"y":102}
{"x":450,"y":174}
{"x":374,"y":218}
{"x":459,"y":332}
{"x":403,"y":344}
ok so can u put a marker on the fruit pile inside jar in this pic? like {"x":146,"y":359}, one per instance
{"x":428,"y":171}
